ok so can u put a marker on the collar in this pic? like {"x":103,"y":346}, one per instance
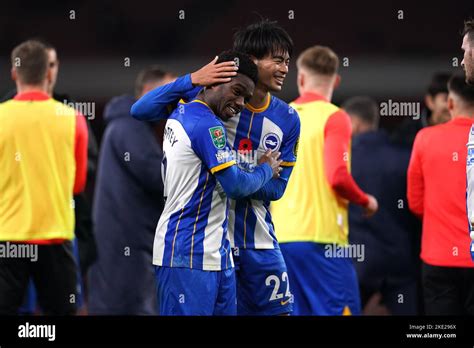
{"x":263,"y":108}
{"x":201,"y":102}
{"x":462,"y":120}
{"x":309,"y":97}
{"x":32,"y":95}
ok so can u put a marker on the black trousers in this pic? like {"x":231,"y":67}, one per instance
{"x":448,"y":290}
{"x":53,"y":273}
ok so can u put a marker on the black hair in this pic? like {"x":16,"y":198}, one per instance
{"x":150,"y":74}
{"x":246,"y":65}
{"x":364,"y":108}
{"x":457,"y":85}
{"x":469,"y":29}
{"x":262,"y":38}
{"x":439,"y":84}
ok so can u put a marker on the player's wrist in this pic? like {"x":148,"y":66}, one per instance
{"x":267,"y":168}
{"x":194,"y":79}
{"x":365,"y":202}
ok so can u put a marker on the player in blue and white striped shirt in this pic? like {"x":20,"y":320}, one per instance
{"x":192,"y":253}
{"x":266,"y":123}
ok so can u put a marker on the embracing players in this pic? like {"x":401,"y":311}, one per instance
{"x":266,"y":123}
{"x":194,"y":272}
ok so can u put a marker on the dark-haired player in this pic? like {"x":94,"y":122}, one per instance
{"x":436,"y":189}
{"x":195,"y":274}
{"x":266,"y":123}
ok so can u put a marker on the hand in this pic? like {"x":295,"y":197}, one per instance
{"x":374,"y":306}
{"x":213,"y":73}
{"x":273,"y":160}
{"x":371,"y":207}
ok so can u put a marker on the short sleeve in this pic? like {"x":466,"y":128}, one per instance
{"x":209,"y":142}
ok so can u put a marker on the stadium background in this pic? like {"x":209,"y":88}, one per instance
{"x":389,"y":58}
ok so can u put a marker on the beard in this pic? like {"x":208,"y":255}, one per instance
{"x":470,"y":74}
{"x":470,"y":78}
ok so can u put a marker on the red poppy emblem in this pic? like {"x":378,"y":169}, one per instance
{"x":245,"y":145}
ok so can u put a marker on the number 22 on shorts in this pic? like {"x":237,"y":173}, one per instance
{"x":274,"y":280}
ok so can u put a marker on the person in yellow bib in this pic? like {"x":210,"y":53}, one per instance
{"x":43,"y":162}
{"x":311,"y":220}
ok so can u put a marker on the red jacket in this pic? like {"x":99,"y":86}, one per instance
{"x":437,"y":192}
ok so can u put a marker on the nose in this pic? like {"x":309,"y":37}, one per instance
{"x":240,"y":101}
{"x":284,"y":69}
{"x":462,"y":62}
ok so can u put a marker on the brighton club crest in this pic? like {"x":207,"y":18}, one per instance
{"x":271,"y":141}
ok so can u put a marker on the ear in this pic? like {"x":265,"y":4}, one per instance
{"x":13,"y":74}
{"x":429,"y":102}
{"x":450,"y":103}
{"x":355,"y":123}
{"x":146,"y":88}
{"x":211,"y":87}
{"x":337,"y":81}
{"x":49,"y":76}
{"x":300,"y":79}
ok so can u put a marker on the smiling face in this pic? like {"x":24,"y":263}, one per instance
{"x":229,"y":98}
{"x":272,"y":70}
{"x":468,"y":58}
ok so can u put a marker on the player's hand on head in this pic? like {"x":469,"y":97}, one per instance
{"x":371,"y":207}
{"x":213,"y":73}
{"x":273,"y":160}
